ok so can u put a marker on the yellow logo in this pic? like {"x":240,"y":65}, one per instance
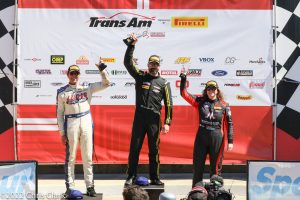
{"x":57,"y":59}
{"x":109,"y":60}
{"x":189,"y":22}
{"x":146,"y":87}
{"x":244,"y":97}
{"x":182,"y":60}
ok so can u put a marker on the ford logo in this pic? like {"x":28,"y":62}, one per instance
{"x":219,"y":73}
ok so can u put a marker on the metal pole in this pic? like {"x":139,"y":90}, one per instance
{"x":14,"y":103}
{"x":275,"y":82}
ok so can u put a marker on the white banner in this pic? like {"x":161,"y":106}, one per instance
{"x":233,"y":47}
{"x":273,"y":180}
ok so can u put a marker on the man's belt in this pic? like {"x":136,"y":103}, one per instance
{"x":152,"y":109}
{"x":77,"y":115}
{"x":210,"y":128}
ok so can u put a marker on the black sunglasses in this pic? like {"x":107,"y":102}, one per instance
{"x":74,"y":73}
{"x":211,"y":88}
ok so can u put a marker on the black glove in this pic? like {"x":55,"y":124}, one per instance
{"x":101,"y":66}
{"x":182,"y":75}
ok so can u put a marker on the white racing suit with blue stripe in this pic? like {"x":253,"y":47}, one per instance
{"x":75,"y":122}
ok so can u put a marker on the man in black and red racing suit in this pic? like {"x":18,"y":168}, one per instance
{"x":151,"y":89}
{"x":215,"y":127}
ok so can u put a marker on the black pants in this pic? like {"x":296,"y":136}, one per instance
{"x":145,"y":121}
{"x":207,"y":142}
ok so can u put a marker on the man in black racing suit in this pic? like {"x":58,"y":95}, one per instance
{"x":151,"y":89}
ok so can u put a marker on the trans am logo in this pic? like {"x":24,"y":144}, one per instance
{"x":137,"y":21}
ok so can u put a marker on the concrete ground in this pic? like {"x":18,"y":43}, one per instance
{"x":111,"y":185}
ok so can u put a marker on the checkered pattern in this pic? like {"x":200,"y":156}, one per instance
{"x":6,"y":63}
{"x":288,"y":66}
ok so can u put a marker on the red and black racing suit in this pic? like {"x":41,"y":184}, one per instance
{"x":214,"y":127}
{"x":150,"y":91}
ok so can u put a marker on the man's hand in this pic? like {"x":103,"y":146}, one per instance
{"x":165,"y":129}
{"x":134,"y":39}
{"x":64,"y":139}
{"x":101,"y":65}
{"x":229,"y":147}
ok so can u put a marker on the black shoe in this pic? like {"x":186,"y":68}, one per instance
{"x":156,"y":182}
{"x":90,"y":191}
{"x":130,"y":180}
{"x":67,"y":193}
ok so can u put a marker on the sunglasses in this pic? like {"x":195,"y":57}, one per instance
{"x":211,"y":88}
{"x":74,"y":73}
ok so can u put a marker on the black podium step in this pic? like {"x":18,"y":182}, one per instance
{"x":154,"y":191}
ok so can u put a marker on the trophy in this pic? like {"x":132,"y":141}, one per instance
{"x":98,"y":61}
{"x":128,"y":41}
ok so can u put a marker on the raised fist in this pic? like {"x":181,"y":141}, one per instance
{"x":182,"y":75}
{"x":101,"y":66}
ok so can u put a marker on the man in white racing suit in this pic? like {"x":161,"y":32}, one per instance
{"x":75,"y":124}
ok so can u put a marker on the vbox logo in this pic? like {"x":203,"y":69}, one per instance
{"x":207,"y":60}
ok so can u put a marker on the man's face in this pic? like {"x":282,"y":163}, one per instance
{"x":73,"y":77}
{"x":153,"y":68}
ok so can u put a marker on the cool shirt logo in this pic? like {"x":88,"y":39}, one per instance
{"x":219,"y":73}
{"x":57,"y":59}
{"x":279,"y":185}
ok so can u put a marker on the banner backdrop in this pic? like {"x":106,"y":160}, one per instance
{"x":232,"y":45}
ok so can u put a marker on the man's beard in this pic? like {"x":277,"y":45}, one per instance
{"x":153,"y":71}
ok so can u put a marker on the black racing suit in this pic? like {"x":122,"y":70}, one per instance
{"x":214,"y":127}
{"x":150,"y":91}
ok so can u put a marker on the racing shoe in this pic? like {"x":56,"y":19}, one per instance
{"x":156,"y":181}
{"x":67,"y":193}
{"x":130,"y":180}
{"x":90,"y":191}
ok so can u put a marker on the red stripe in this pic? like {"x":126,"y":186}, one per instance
{"x":100,"y":4}
{"x":36,"y":111}
{"x":212,"y":4}
{"x":224,"y":131}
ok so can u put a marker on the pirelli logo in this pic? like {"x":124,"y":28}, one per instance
{"x":189,"y":22}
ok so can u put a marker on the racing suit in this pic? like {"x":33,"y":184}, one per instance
{"x":75,"y":121}
{"x":150,"y":91}
{"x":215,"y":126}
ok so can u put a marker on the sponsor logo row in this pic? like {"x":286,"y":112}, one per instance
{"x":37,"y":84}
{"x":85,"y":60}
{"x":190,"y":72}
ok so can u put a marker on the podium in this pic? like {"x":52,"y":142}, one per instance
{"x":154,"y":191}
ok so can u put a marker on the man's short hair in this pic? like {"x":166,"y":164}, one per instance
{"x":135,"y":192}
